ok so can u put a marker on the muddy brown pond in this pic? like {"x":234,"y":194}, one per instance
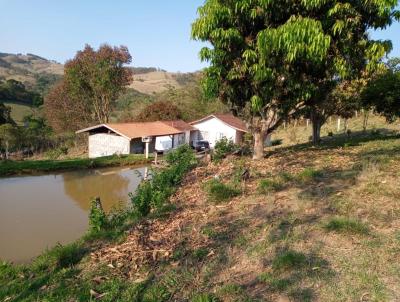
{"x":37,"y":212}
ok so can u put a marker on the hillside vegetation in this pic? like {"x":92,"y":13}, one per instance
{"x":309,"y":224}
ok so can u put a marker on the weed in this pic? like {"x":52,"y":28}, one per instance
{"x":308,"y":175}
{"x":273,"y":282}
{"x":204,"y":298}
{"x":346,"y":225}
{"x":219,"y":192}
{"x":200,"y":254}
{"x":270,"y":185}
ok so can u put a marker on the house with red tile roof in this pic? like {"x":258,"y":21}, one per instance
{"x":216,"y":126}
{"x":161,"y":136}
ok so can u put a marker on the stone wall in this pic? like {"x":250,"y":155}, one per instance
{"x":103,"y":144}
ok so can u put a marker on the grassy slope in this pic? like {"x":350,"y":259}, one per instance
{"x":19,"y":111}
{"x":30,"y":166}
{"x":311,"y":224}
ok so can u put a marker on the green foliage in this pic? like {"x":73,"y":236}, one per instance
{"x":268,"y":66}
{"x":5,"y":115}
{"x":97,"y":216}
{"x":308,"y":174}
{"x":204,"y":298}
{"x":270,"y":185}
{"x":15,"y":91}
{"x":346,"y":225}
{"x":154,"y":193}
{"x":222,"y":148}
{"x":219,"y":192}
{"x":383,"y":93}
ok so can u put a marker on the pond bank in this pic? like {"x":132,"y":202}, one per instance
{"x":8,"y":168}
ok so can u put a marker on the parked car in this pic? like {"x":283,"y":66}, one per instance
{"x":201,"y":146}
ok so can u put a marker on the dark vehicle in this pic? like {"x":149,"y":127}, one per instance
{"x":201,"y":146}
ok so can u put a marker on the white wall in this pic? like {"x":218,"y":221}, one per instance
{"x":103,"y":144}
{"x":213,"y":130}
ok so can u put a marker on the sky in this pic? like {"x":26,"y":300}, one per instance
{"x":156,"y":32}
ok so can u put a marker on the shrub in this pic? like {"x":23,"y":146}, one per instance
{"x":222,"y":148}
{"x":154,"y":193}
{"x":346,"y":225}
{"x":219,"y":192}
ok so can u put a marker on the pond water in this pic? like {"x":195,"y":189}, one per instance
{"x":37,"y":212}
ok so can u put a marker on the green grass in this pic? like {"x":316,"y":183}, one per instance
{"x":289,"y":260}
{"x":270,"y":185}
{"x":346,"y":225}
{"x":219,"y":192}
{"x":10,"y":167}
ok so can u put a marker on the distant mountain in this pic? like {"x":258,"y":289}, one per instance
{"x":38,"y":74}
{"x":33,"y":71}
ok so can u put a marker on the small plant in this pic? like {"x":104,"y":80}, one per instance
{"x":204,"y":298}
{"x":219,"y":192}
{"x":289,"y":260}
{"x":308,"y":175}
{"x":270,"y":185}
{"x":274,"y":283}
{"x":97,"y":216}
{"x":346,"y":225}
{"x":222,"y":148}
{"x":200,"y":254}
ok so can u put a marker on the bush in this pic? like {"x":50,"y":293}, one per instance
{"x":219,"y":192}
{"x":68,"y":255}
{"x":154,"y":194}
{"x":222,"y":148}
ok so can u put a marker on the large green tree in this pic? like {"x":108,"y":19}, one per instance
{"x":382,"y":92}
{"x":271,"y":58}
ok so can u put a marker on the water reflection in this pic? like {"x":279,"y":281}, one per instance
{"x":38,"y":211}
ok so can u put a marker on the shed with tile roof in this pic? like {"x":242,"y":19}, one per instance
{"x":131,"y":138}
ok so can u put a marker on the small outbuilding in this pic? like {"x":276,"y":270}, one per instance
{"x":216,"y":126}
{"x":136,"y":138}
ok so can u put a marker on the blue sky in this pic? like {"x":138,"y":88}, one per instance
{"x":157,"y":32}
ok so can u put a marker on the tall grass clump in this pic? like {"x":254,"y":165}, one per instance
{"x":346,"y":225}
{"x":154,"y":193}
{"x":219,"y":192}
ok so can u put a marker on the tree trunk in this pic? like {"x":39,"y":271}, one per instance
{"x":365,"y":119}
{"x":7,"y":156}
{"x":316,"y":135}
{"x":338,"y":125}
{"x":317,"y":122}
{"x":258,"y":152}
